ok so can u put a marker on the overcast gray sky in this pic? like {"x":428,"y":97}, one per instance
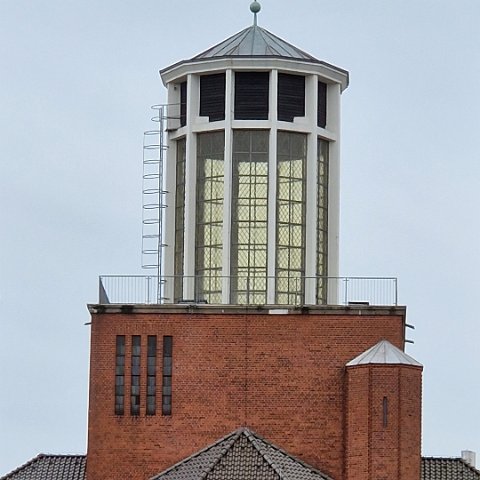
{"x":77,"y":79}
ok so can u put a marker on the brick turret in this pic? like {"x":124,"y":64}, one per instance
{"x":383,"y":415}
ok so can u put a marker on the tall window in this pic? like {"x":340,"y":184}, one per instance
{"x":322,"y":220}
{"x":180,"y":219}
{"x":151,"y":374}
{"x":120,"y":375}
{"x":251,"y":95}
{"x":290,"y":261}
{"x":135,"y":376}
{"x":212,"y":96}
{"x":183,"y":104}
{"x":322,"y":105}
{"x":291,"y":96}
{"x":167,"y":375}
{"x":209,"y":222}
{"x":249,"y":216}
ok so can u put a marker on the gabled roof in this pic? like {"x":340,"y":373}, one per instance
{"x":241,"y":454}
{"x":448,"y":469}
{"x":50,"y":467}
{"x":383,"y":353}
{"x":255,"y":41}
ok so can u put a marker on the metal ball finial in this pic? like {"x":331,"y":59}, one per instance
{"x":255,"y":7}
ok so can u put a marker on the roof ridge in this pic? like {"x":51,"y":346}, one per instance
{"x":224,"y":451}
{"x":253,"y":440}
{"x":289,"y":455}
{"x":279,"y":39}
{"x":195,"y":454}
{"x":227,"y":42}
{"x":39,"y":457}
{"x":26,"y":464}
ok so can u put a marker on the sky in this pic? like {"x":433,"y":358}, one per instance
{"x":77,"y":79}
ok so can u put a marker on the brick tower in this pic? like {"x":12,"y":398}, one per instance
{"x":251,"y":327}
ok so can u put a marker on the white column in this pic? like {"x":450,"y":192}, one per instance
{"x":169,"y":169}
{"x":272,"y":189}
{"x":333,"y":124}
{"x":227,"y":195}
{"x":190,"y":189}
{"x":311,"y":94}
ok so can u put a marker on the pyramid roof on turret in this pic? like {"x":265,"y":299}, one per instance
{"x":383,"y":353}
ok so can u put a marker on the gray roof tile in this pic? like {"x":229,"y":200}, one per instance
{"x":448,"y":469}
{"x":241,"y":454}
{"x":50,"y":467}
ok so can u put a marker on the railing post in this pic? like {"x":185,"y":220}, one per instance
{"x":345,"y":300}
{"x":396,"y":291}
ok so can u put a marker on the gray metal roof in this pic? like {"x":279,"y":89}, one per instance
{"x":255,"y":41}
{"x":448,"y":469}
{"x":50,"y":467}
{"x":241,"y":454}
{"x":383,"y":353}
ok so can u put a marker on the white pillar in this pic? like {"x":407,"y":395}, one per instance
{"x":333,"y":124}
{"x":311,"y":94}
{"x":190,"y":189}
{"x":227,"y":205}
{"x":272,"y":189}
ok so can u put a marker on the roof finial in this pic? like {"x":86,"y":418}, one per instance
{"x":255,"y":7}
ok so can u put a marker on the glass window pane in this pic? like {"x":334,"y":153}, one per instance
{"x":322,"y":220}
{"x":291,"y":192}
{"x":209,"y":228}
{"x":249,"y":216}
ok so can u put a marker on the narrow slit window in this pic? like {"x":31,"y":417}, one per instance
{"x":120,"y":375}
{"x":385,"y":412}
{"x":167,"y":375}
{"x":135,"y":377}
{"x":322,"y":105}
{"x":183,"y":104}
{"x":151,"y":374}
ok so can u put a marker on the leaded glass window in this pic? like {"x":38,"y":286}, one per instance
{"x":209,"y":222}
{"x":249,"y":216}
{"x":135,"y":375}
{"x":290,"y":254}
{"x":322,"y":220}
{"x":180,"y":218}
{"x":167,"y":375}
{"x":120,"y":375}
{"x":151,"y":374}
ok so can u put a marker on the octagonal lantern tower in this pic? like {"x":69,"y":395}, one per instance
{"x":252,"y":173}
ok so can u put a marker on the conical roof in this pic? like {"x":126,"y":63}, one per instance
{"x":383,"y":353}
{"x":241,"y":454}
{"x":256,"y":44}
{"x":255,"y":41}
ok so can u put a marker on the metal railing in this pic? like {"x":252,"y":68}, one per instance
{"x":154,"y":290}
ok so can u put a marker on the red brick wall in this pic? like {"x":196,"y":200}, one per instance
{"x":281,"y":375}
{"x":376,"y":450}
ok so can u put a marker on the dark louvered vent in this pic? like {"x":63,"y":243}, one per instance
{"x":212,"y":96}
{"x":322,"y":105}
{"x":251,"y":95}
{"x":183,"y":104}
{"x":291,"y":96}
